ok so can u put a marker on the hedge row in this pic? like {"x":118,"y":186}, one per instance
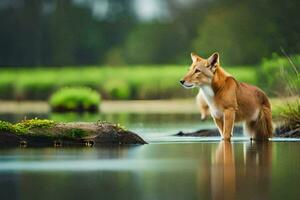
{"x":130,"y":82}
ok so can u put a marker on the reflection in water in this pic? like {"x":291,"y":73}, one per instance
{"x":248,"y":175}
{"x":223,"y":172}
{"x":256,"y":174}
{"x":197,"y":170}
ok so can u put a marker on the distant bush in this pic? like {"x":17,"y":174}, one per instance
{"x":117,"y":89}
{"x":78,"y":99}
{"x":6,"y":87}
{"x":36,"y":88}
{"x":128,"y":82}
{"x":279,"y":76}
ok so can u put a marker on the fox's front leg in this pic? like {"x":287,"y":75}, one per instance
{"x":219,"y":124}
{"x":229,"y":117}
{"x":203,"y":107}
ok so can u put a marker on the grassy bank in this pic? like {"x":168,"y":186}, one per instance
{"x":171,"y":106}
{"x":134,"y":82}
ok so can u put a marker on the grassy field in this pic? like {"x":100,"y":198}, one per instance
{"x":135,"y":82}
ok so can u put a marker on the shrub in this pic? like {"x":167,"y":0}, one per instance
{"x":34,"y":88}
{"x":117,"y":89}
{"x":279,"y":76}
{"x":6,"y":87}
{"x":77,"y":99}
{"x":291,"y":116}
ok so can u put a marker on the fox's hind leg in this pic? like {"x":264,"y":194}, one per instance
{"x":203,"y":107}
{"x":249,"y":129}
{"x":261,"y":128}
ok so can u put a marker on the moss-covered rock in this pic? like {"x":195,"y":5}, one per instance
{"x":37,"y":132}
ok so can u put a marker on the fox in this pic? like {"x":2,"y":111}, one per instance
{"x":228,"y":100}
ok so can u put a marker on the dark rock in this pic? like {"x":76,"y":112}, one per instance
{"x":200,"y":133}
{"x":279,"y":132}
{"x":126,"y":137}
{"x":9,"y":139}
{"x":286,"y":132}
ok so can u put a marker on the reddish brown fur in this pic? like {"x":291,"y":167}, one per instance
{"x":233,"y":101}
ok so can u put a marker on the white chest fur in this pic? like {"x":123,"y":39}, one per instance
{"x":208,"y":95}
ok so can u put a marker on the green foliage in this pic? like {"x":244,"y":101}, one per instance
{"x":279,"y":76}
{"x":6,"y":86}
{"x":291,"y":115}
{"x":75,"y":99}
{"x":75,"y":33}
{"x":117,"y":89}
{"x":36,"y":88}
{"x":128,"y":82}
{"x":154,"y":43}
{"x":232,"y":32}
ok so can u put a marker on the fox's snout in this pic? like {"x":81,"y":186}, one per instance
{"x":186,"y":84}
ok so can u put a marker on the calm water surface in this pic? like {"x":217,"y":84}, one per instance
{"x":168,"y":168}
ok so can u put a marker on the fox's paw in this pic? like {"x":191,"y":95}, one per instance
{"x":226,"y":139}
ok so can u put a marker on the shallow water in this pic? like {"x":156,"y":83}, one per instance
{"x":197,"y":170}
{"x":168,"y":168}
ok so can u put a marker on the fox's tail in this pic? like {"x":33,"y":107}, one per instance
{"x":263,"y":126}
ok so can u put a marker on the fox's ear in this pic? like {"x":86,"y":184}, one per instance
{"x":195,"y":57}
{"x":213,"y":60}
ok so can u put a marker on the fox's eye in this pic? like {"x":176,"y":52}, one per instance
{"x":197,"y":70}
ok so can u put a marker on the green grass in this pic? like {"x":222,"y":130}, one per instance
{"x":75,"y":99}
{"x":134,"y":82}
{"x":291,"y":115}
{"x":280,"y":75}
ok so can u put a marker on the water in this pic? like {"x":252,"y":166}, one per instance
{"x":168,"y":168}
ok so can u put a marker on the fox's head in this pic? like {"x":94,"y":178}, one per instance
{"x":201,"y":71}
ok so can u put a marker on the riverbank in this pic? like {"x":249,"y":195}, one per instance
{"x":132,"y":106}
{"x":175,"y":106}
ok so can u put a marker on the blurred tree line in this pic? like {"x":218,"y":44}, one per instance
{"x":88,"y":32}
